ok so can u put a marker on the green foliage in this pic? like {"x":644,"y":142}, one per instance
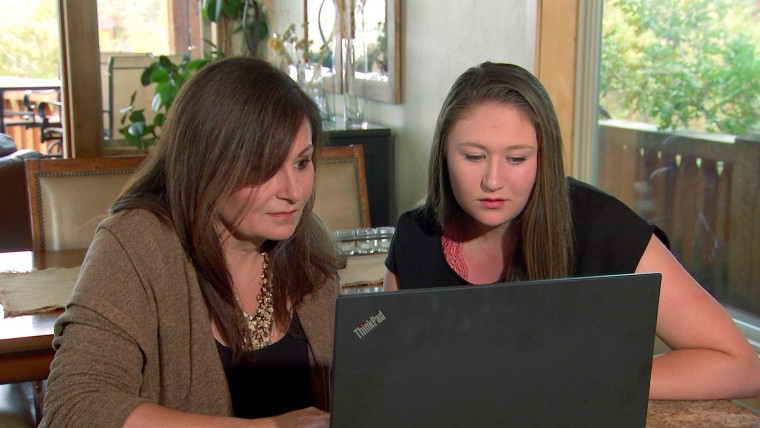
{"x":214,"y":9}
{"x":29,"y":40}
{"x":247,"y":14}
{"x":682,"y":64}
{"x":168,"y":78}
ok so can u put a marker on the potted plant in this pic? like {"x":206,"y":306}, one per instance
{"x":168,"y":78}
{"x":233,"y":16}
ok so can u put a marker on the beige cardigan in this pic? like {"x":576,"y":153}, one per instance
{"x":137,"y":330}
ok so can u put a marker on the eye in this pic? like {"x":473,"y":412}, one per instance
{"x":516,"y":160}
{"x":473,"y":157}
{"x":303,"y":163}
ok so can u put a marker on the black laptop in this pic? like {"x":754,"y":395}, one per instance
{"x":553,"y":353}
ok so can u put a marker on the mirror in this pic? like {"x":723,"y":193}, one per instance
{"x":377,"y":25}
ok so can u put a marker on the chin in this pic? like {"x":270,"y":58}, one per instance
{"x":493,"y":221}
{"x":281,"y":234}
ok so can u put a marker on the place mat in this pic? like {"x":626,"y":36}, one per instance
{"x":38,"y":291}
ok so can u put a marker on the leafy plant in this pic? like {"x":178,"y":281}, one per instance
{"x":168,"y":78}
{"x":247,"y":16}
{"x":682,"y":64}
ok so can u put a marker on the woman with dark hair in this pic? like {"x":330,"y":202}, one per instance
{"x":209,"y":291}
{"x":499,"y":208}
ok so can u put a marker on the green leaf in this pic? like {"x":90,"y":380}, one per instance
{"x":159,"y":75}
{"x":166,"y":95}
{"x":165,"y":62}
{"x":137,"y":116}
{"x":156,"y":102}
{"x":145,"y":77}
{"x":196,"y":64}
{"x":130,"y":139}
{"x":137,"y":129}
{"x":233,"y":9}
{"x":213,"y":9}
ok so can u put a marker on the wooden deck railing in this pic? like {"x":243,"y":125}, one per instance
{"x":703,"y":190}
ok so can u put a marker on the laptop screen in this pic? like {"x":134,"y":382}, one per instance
{"x":564,"y":352}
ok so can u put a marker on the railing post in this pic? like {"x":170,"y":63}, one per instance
{"x":744,"y":250}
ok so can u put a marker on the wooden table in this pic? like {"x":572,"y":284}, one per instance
{"x":25,"y":341}
{"x":26,"y":352}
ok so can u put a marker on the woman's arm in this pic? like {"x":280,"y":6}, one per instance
{"x":149,"y":414}
{"x":390,"y":282}
{"x":710,"y":358}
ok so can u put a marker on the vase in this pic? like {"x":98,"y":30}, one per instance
{"x":311,"y":80}
{"x":354,"y":54}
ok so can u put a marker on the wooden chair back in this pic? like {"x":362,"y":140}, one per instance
{"x":69,"y":197}
{"x":341,"y":200}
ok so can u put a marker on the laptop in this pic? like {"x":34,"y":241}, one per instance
{"x":571,"y":352}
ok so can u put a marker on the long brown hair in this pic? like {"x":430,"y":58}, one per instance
{"x":233,"y":124}
{"x":545,"y":244}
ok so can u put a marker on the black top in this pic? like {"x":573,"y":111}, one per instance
{"x":609,"y":238}
{"x":272,"y":380}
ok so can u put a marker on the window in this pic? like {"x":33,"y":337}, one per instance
{"x":29,"y":70}
{"x":679,"y":111}
{"x":132,"y":33}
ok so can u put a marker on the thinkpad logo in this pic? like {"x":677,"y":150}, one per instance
{"x":364,"y":328}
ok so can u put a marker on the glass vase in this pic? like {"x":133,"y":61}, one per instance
{"x":354,"y":54}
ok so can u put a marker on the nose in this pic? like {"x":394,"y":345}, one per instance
{"x":288,"y":186}
{"x":492,"y":176}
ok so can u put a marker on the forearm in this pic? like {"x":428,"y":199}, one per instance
{"x":702,"y":374}
{"x":149,"y":415}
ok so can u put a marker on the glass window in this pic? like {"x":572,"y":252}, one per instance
{"x":29,"y":42}
{"x":678,"y":130}
{"x":30,"y":75}
{"x":132,"y":34}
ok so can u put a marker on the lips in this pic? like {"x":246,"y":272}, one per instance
{"x":491,"y":203}
{"x":284,"y":214}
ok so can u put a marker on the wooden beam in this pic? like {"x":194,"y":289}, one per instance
{"x":80,"y":65}
{"x":555,"y":62}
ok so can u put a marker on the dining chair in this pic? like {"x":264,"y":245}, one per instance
{"x":341,"y":199}
{"x":51,"y":127}
{"x":69,"y":197}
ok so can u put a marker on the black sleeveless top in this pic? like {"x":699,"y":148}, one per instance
{"x":608,"y":238}
{"x":272,"y":380}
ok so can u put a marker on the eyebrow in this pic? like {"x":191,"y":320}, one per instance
{"x":516,"y":146}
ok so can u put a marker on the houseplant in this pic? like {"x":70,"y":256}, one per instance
{"x":234,"y":17}
{"x":168,"y":78}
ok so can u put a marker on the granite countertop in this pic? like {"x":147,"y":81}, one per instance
{"x":708,"y":413}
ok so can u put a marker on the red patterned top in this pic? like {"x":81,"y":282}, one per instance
{"x":451,"y":240}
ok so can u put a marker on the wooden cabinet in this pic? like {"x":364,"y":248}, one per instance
{"x":376,"y":143}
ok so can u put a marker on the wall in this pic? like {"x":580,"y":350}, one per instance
{"x":440,"y":39}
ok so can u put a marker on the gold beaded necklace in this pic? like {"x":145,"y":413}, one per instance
{"x":257,"y":327}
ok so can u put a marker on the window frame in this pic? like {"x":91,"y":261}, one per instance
{"x":586,"y":141}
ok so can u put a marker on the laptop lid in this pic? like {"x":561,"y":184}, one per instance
{"x":564,"y":352}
